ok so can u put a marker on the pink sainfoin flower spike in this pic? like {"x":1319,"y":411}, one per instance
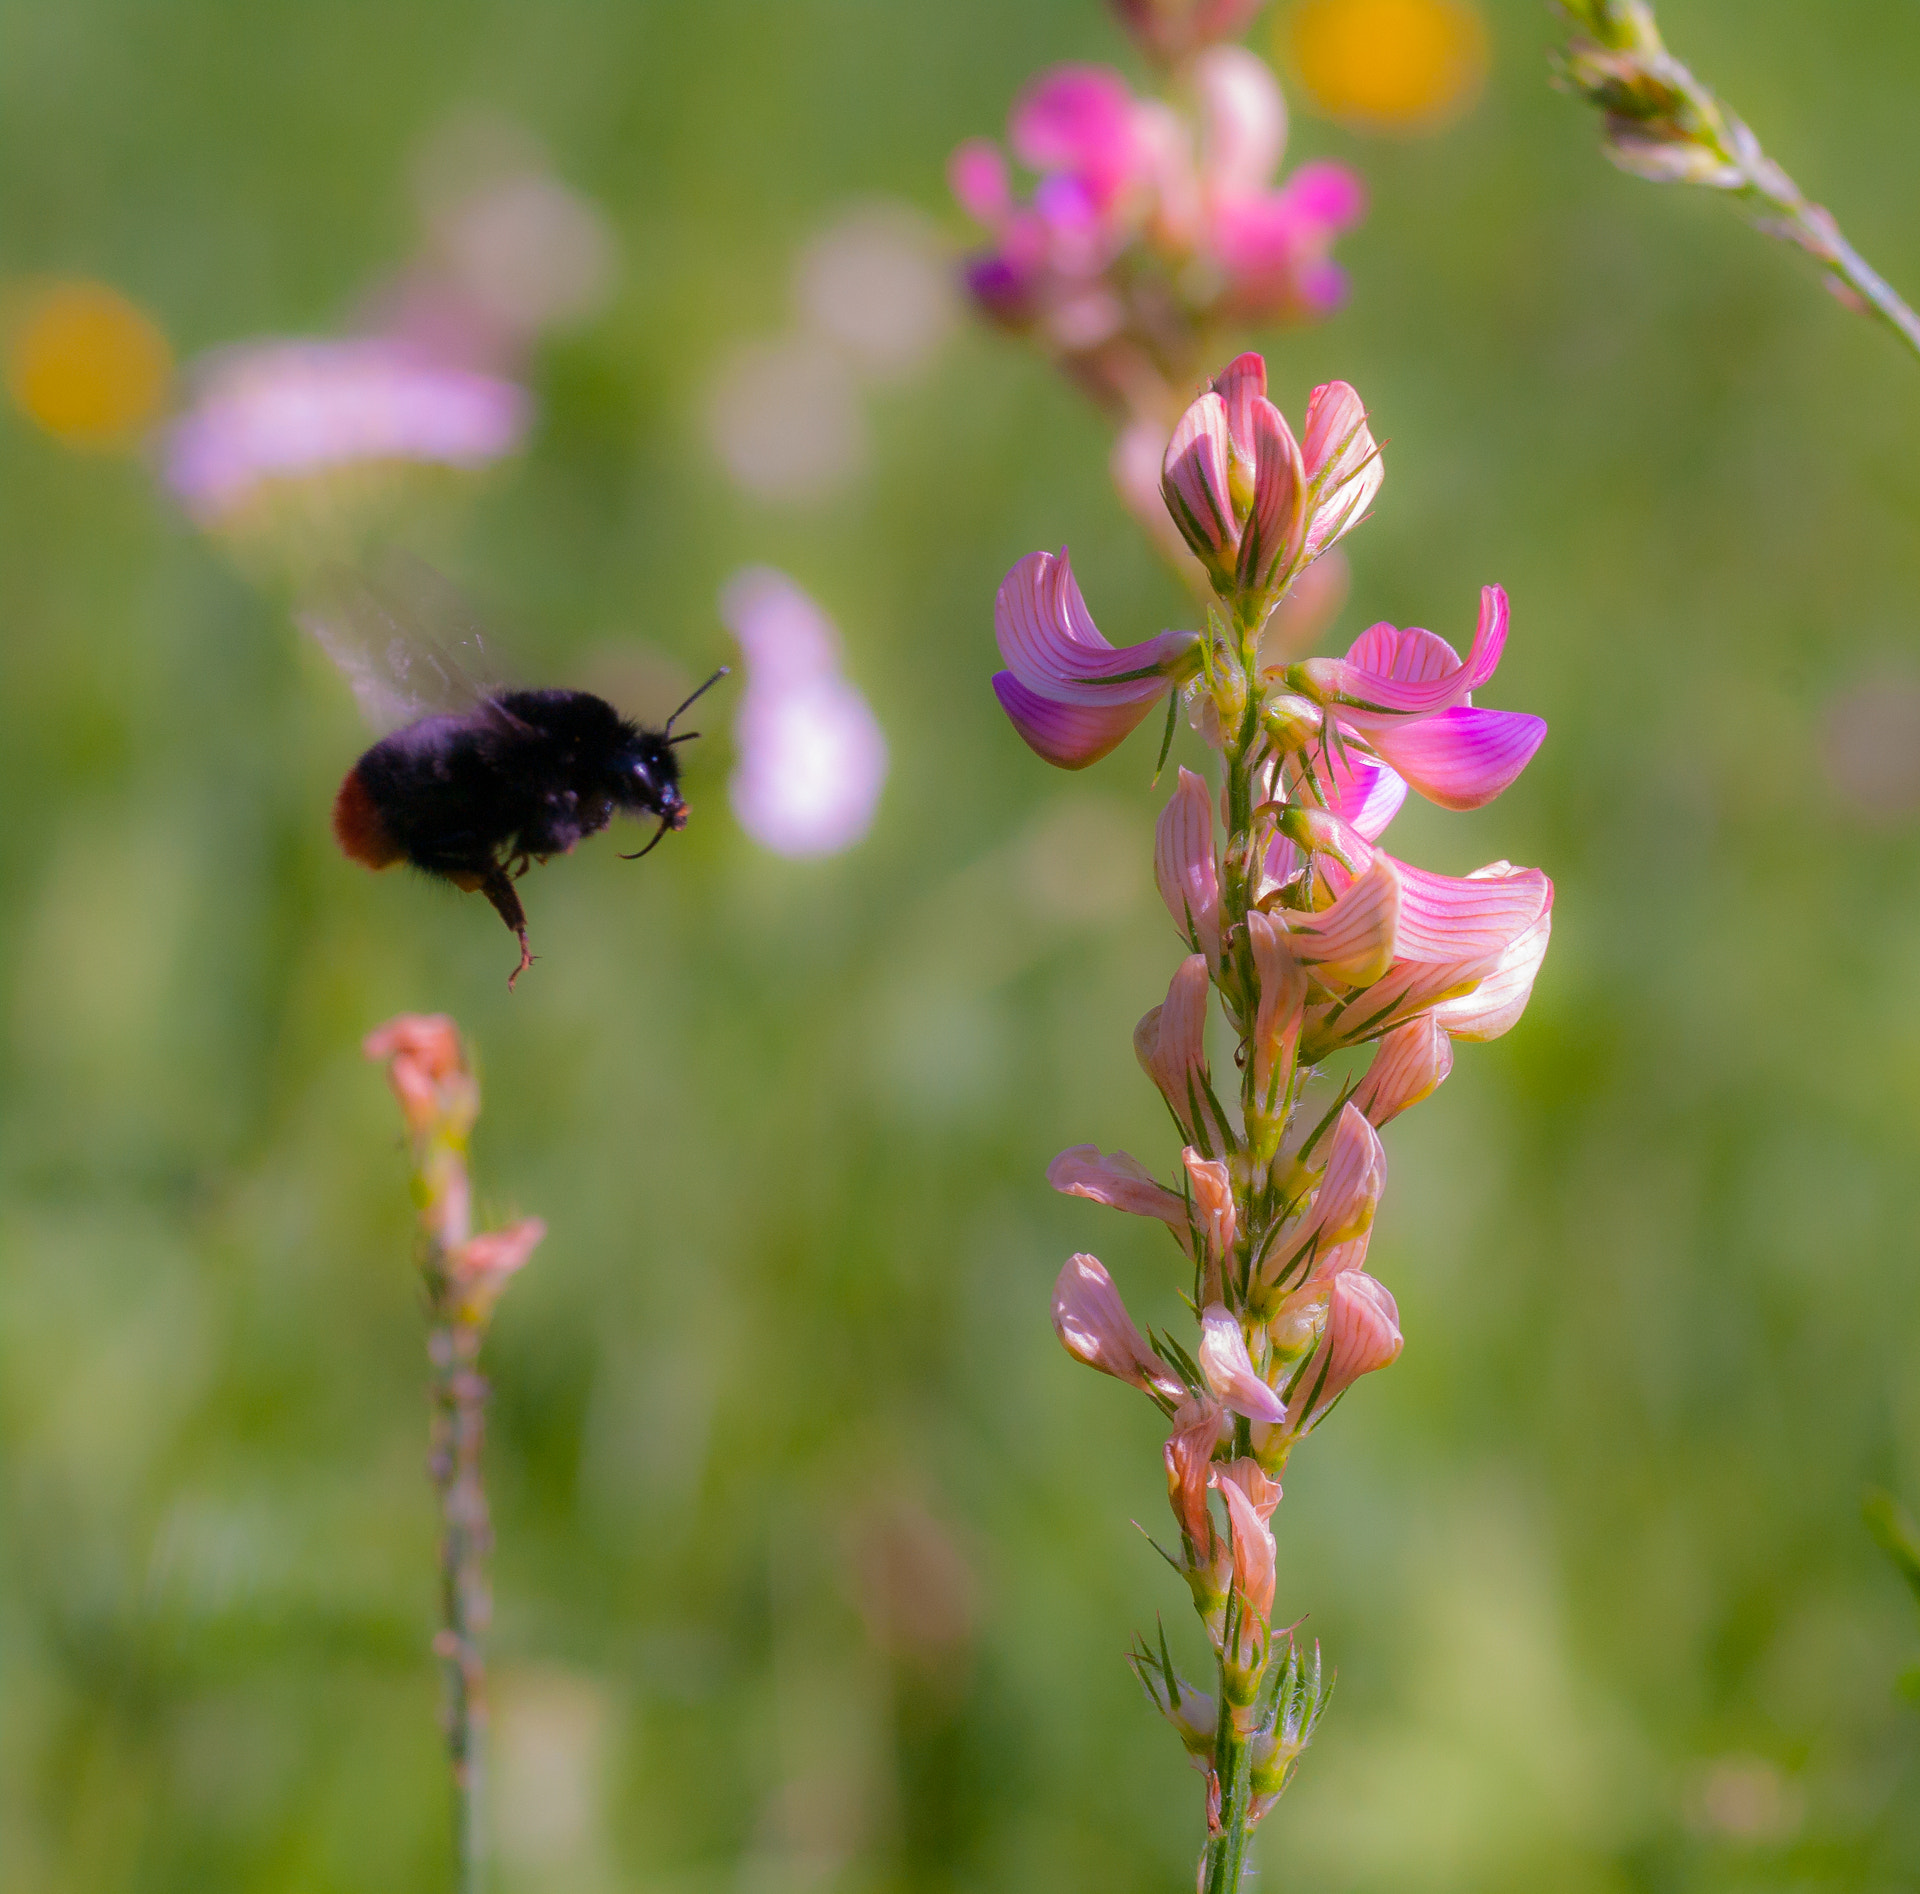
{"x":1315,"y":939}
{"x":1070,"y":694}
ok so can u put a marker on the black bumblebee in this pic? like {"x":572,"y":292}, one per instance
{"x":478,"y":782}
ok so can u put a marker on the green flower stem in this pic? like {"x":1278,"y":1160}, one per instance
{"x":1663,"y":124}
{"x":459,"y":1396}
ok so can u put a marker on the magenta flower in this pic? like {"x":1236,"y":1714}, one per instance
{"x":289,"y":410}
{"x":1070,"y":693}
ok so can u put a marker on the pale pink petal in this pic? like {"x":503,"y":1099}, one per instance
{"x":1229,"y":1370}
{"x":1410,"y":1065}
{"x":1184,"y":868}
{"x":1283,"y":997}
{"x":1261,"y":1488}
{"x":1170,"y":1043}
{"x":1464,"y":757}
{"x":1120,"y":1181}
{"x":1213,"y":1211}
{"x":1053,"y":648}
{"x":1453,"y":917}
{"x":1199,"y":1424}
{"x":1343,"y":464}
{"x":1194,"y":482}
{"x":1240,"y":385}
{"x":1407,"y":989}
{"x":1366,"y":693}
{"x":1351,"y":942}
{"x":1068,"y":735}
{"x":1253,"y":1551}
{"x":1243,"y":119}
{"x":1343,"y":1204}
{"x":1094,"y":1326}
{"x":1362,"y":1334}
{"x":1498,"y":1001}
{"x":482,"y":1265}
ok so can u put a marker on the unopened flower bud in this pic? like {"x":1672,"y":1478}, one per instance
{"x":1094,"y":1327}
{"x":1291,"y":722}
{"x":1321,"y":832}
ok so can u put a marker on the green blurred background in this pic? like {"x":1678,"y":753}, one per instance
{"x":815,"y":1563}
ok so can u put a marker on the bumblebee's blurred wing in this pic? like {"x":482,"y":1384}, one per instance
{"x":406,"y":643}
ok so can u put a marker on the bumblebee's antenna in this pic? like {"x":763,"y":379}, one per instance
{"x":684,"y":708}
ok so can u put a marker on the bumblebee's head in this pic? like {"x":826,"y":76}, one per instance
{"x":647,"y":779}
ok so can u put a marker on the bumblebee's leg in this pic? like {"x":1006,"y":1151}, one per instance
{"x":506,"y":903}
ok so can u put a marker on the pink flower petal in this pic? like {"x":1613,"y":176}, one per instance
{"x":1243,"y":119}
{"x":1253,"y":1551}
{"x":977,"y":175}
{"x":1450,"y":917}
{"x":1464,"y":757}
{"x":1080,"y":120}
{"x":1270,"y":541}
{"x":1094,"y":1327}
{"x":1501,"y":997}
{"x":1366,"y":691}
{"x":1410,"y":1064}
{"x":1194,"y":481}
{"x":1229,"y":1370}
{"x":1351,"y":942}
{"x":1362,"y":1335}
{"x":1068,"y":735}
{"x":1344,"y":468}
{"x":1213,"y":1211}
{"x":1184,"y":868}
{"x":1171,"y":1044}
{"x":1283,"y":996}
{"x":1120,"y":1181}
{"x":1052,"y":646}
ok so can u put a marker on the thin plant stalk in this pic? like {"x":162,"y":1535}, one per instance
{"x":1663,"y":124}
{"x":461,"y":1275}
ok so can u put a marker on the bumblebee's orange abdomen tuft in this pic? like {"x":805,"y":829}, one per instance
{"x":357,"y":826}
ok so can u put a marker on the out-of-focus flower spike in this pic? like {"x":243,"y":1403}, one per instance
{"x":977,"y":176}
{"x":1120,"y":1181}
{"x":428,"y":1070}
{"x":1078,"y":120}
{"x":1184,"y":867}
{"x":1229,"y":1370}
{"x":1283,"y":998}
{"x":1411,"y":1063}
{"x":1351,"y":942}
{"x":481,"y":1267}
{"x":1243,"y":120}
{"x":1094,"y":1327}
{"x":1343,"y":466}
{"x":1501,"y":997}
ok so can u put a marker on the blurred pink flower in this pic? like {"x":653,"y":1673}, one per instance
{"x":481,"y":1266}
{"x":286,"y":410}
{"x":1069,"y":693}
{"x":812,"y":758}
{"x":1168,"y":30}
{"x":1094,"y":1327}
{"x":427,"y":1068}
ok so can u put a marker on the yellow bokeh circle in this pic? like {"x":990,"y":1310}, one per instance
{"x":86,"y":364}
{"x":1387,"y":65}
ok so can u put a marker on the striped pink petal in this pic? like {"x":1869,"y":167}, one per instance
{"x":1283,"y":998}
{"x":1390,"y":673}
{"x":1052,"y":646}
{"x":1270,"y":543}
{"x":1240,"y":385}
{"x":1213,"y":1210}
{"x":1341,"y":1211}
{"x":1499,"y":1000}
{"x":1194,"y":480}
{"x":1351,"y":942}
{"x":1229,"y":1369}
{"x":1068,"y":735}
{"x":1464,"y":757}
{"x":1094,"y":1327}
{"x":1361,"y":1335}
{"x":1253,"y":1551}
{"x":1461,"y":917}
{"x":1120,"y":1181}
{"x":1184,"y":868}
{"x":1410,"y":1064}
{"x":1343,"y":465}
{"x":1171,"y":1044}
{"x":1243,"y":119}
